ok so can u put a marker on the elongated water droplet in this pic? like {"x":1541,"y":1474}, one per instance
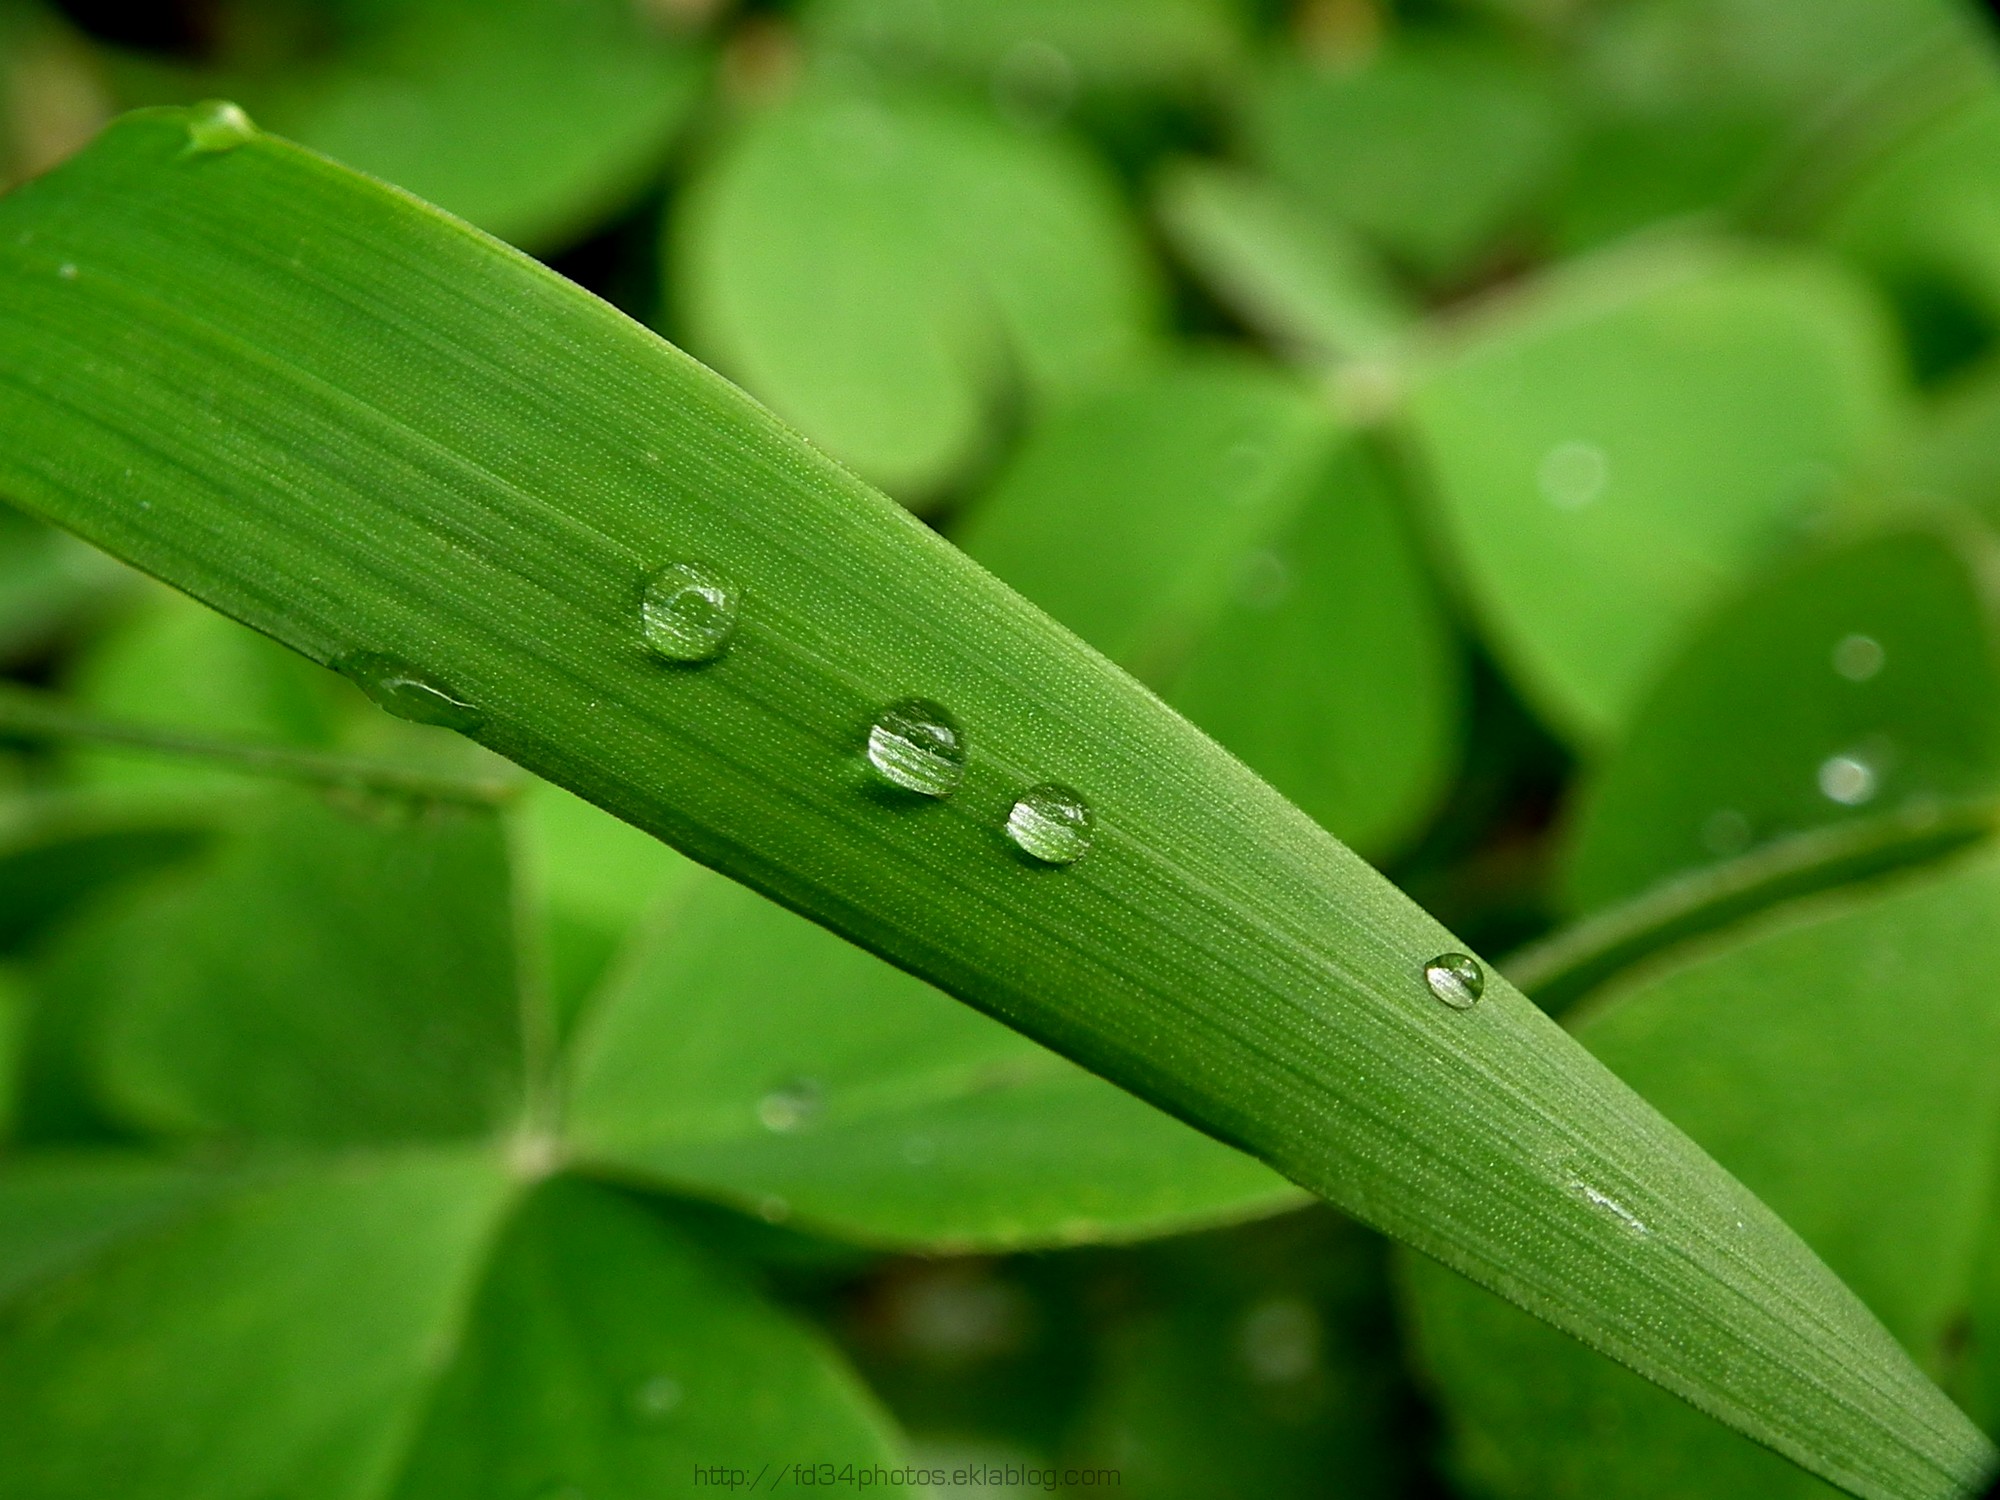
{"x":217,"y":126}
{"x":1848,"y":780}
{"x":689,"y":612}
{"x":791,"y":1107}
{"x":1456,"y":979}
{"x":916,"y":745}
{"x":1052,"y":824}
{"x":408,"y":693}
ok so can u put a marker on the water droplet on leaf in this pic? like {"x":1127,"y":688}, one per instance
{"x":689,"y":612}
{"x":1858,"y":657}
{"x":1051,"y":823}
{"x":1725,"y":833}
{"x":1573,"y":475}
{"x":1848,"y":780}
{"x":218,"y":126}
{"x":656,"y":1397}
{"x":67,"y":270}
{"x":1456,"y":979}
{"x":791,"y":1107}
{"x":407,"y":693}
{"x":915,"y":745}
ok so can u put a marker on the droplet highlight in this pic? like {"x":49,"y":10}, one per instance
{"x":656,"y":1398}
{"x":1052,"y":824}
{"x":1456,"y":979}
{"x":1848,"y":780}
{"x":689,"y":612}
{"x":218,"y":126}
{"x":1858,"y":657}
{"x":790,"y":1108}
{"x":1572,"y":475}
{"x":916,"y":745}
{"x":407,"y":693}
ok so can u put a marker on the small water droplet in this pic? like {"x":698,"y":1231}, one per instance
{"x":1848,"y":780}
{"x":1456,"y":979}
{"x":919,"y":1150}
{"x":1858,"y":657}
{"x":656,"y":1397}
{"x":67,"y":270}
{"x":1051,"y":823}
{"x":217,"y":126}
{"x":772,"y":1209}
{"x":407,"y":693}
{"x":791,"y":1107}
{"x":1265,"y":582}
{"x":1034,"y":84}
{"x":689,"y":612}
{"x":915,"y":745}
{"x":1573,"y":474}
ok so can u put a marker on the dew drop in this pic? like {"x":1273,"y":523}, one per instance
{"x":217,"y":126}
{"x":1848,"y":780}
{"x":656,"y":1397}
{"x":1573,"y":474}
{"x":689,"y":612}
{"x":67,"y":270}
{"x":1858,"y":657}
{"x":772,"y":1209}
{"x":791,"y":1107}
{"x":1051,"y":823}
{"x":1725,"y":833}
{"x":1279,"y":1341}
{"x":1456,"y":979}
{"x":919,"y":1150}
{"x":407,"y":693}
{"x":915,"y":745}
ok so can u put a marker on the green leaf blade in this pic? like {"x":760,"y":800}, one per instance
{"x":371,"y":431}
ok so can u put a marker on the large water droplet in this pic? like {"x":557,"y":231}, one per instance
{"x":1848,"y":780}
{"x":408,"y":693}
{"x":1052,"y":824}
{"x":1456,"y":979}
{"x":791,"y":1107}
{"x":916,"y":745}
{"x":689,"y":612}
{"x":217,"y":126}
{"x":1858,"y":657}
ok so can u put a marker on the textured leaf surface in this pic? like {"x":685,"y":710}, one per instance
{"x":745,"y":1053}
{"x":347,"y":421}
{"x":1208,"y":527}
{"x":1615,"y":449}
{"x":1836,"y":1058}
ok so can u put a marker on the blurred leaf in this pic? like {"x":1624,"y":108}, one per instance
{"x":1017,"y":43}
{"x":274,"y":1342}
{"x":331,"y":974}
{"x":1434,"y":149}
{"x":59,"y":1210}
{"x":744,"y":1052}
{"x":881,"y":269}
{"x":1860,"y":679}
{"x":1616,"y":447}
{"x":1953,"y":455}
{"x":174,"y":662}
{"x":48,"y":581}
{"x":13,"y":1044}
{"x":533,"y":119}
{"x":1256,"y":1363}
{"x":1306,"y":284}
{"x":595,"y":877}
{"x":444,"y":480}
{"x":1838,"y":1060}
{"x":57,"y":850}
{"x":1208,"y":527}
{"x":605,"y":1357}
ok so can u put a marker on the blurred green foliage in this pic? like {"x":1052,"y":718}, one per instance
{"x":1555,"y":442}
